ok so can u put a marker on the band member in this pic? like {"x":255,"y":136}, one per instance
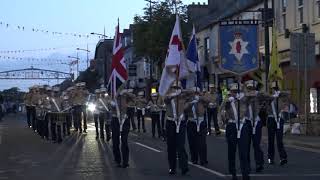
{"x":131,"y":112}
{"x":162,"y":118}
{"x":46,"y":109}
{"x":40,"y":109}
{"x":56,"y":122}
{"x":120,"y":126}
{"x":176,"y":129}
{"x":104,"y":101}
{"x":213,"y":109}
{"x":237,"y":131}
{"x":66,"y":108}
{"x":195,"y":109}
{"x":34,"y":103}
{"x":95,"y":107}
{"x":256,"y":100}
{"x":78,"y":101}
{"x":84,"y":94}
{"x":28,"y":105}
{"x":275,"y":122}
{"x":141,"y":104}
{"x":154,"y":107}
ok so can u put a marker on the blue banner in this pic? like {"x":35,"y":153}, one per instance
{"x":239,"y":48}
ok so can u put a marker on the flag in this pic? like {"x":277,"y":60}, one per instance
{"x":175,"y":64}
{"x":119,"y":73}
{"x":275,"y":72}
{"x":193,"y":63}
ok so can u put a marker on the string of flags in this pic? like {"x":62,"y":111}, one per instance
{"x":44,"y":31}
{"x":32,"y":59}
{"x":17,"y":51}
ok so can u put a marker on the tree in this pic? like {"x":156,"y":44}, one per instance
{"x":152,"y":31}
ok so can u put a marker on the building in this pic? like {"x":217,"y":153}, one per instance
{"x":103,"y":59}
{"x":207,"y":27}
{"x":291,"y":17}
{"x":138,"y":68}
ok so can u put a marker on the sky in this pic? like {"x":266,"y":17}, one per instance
{"x":79,"y":17}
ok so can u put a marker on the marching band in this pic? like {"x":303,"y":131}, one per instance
{"x":181,"y":114}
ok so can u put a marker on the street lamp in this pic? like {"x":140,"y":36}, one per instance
{"x":77,"y":58}
{"x":79,"y":49}
{"x":98,"y":34}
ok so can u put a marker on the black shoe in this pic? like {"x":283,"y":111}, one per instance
{"x":184,"y":171}
{"x":234,"y":177}
{"x":125,"y":166}
{"x":259,"y":168}
{"x":270,"y":161}
{"x":194,"y":162}
{"x":283,"y":162}
{"x":144,"y":131}
{"x":247,"y":177}
{"x":108,"y":138}
{"x":102,"y":137}
{"x":218,"y":133}
{"x":172,"y":171}
{"x":85,"y":131}
{"x":204,"y":163}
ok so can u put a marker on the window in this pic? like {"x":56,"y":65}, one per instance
{"x":300,"y":11}
{"x":318,"y":8}
{"x":207,"y":48}
{"x":284,"y":22}
{"x":284,"y":5}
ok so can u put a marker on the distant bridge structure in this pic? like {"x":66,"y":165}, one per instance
{"x":34,"y":73}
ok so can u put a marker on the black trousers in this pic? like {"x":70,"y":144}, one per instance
{"x":33,"y":117}
{"x":84,"y":111}
{"x":46,"y":126}
{"x":213,"y":116}
{"x":130,"y":113}
{"x":77,"y":120}
{"x":29,"y":111}
{"x":243,"y":145}
{"x":56,"y":129}
{"x":155,"y":117}
{"x":162,"y":122}
{"x":118,"y":136}
{"x":278,"y":133}
{"x":140,"y":118}
{"x":256,"y":144}
{"x":100,"y":121}
{"x":176,"y":145}
{"x":197,"y":142}
{"x":68,"y":123}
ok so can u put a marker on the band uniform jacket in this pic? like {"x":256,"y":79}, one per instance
{"x":230,"y":108}
{"x":212,"y":99}
{"x":28,"y":99}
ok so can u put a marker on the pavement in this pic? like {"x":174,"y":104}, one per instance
{"x":23,"y":155}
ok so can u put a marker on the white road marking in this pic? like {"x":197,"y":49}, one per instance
{"x":148,"y":147}
{"x":208,"y":170}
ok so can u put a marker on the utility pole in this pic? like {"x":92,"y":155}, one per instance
{"x":267,"y":43}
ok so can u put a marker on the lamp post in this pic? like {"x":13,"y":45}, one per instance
{"x":98,"y":34}
{"x":79,"y":49}
{"x":77,"y":58}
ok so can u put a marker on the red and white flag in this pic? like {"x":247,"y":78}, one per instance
{"x":119,"y":73}
{"x":176,"y":67}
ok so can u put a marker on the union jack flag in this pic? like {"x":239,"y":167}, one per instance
{"x":119,"y":73}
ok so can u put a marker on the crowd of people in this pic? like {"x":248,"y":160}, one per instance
{"x":181,"y":114}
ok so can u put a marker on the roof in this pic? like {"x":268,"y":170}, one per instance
{"x":225,"y":10}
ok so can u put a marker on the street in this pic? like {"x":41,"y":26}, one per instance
{"x":25,"y":156}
